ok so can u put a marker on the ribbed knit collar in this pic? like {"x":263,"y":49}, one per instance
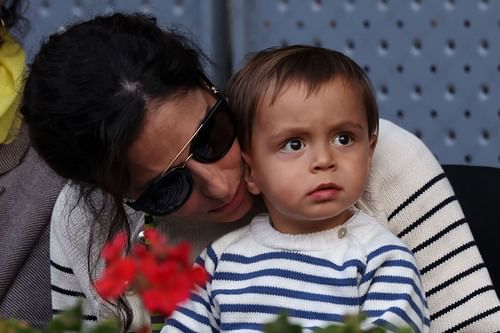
{"x":13,"y":153}
{"x":263,"y":233}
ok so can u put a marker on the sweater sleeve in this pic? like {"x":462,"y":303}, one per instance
{"x":69,"y":236}
{"x":390,"y":290}
{"x":199,"y":313}
{"x":71,"y":223}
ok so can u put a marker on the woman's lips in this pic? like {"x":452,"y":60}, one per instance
{"x":234,"y":203}
{"x":325,"y":192}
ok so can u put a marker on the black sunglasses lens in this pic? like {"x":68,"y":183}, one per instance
{"x":216,"y":137}
{"x":167,"y":194}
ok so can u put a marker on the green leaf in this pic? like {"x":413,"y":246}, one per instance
{"x":15,"y":326}
{"x":282,"y":325}
{"x":68,"y":320}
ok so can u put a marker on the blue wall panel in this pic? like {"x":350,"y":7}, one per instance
{"x":435,"y":65}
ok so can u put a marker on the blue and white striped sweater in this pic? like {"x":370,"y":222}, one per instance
{"x":256,"y":273}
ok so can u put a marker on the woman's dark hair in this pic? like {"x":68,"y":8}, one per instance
{"x":11,"y":15}
{"x":85,"y":100}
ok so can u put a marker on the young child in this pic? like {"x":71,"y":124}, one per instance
{"x":307,"y":121}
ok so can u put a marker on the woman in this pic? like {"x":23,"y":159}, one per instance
{"x":124,"y":111}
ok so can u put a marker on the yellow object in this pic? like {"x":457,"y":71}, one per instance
{"x":12,"y":66}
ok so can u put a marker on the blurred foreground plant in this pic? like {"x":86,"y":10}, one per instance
{"x":163,"y":276}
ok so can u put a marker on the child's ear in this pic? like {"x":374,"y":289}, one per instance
{"x":373,"y":143}
{"x":249,"y":179}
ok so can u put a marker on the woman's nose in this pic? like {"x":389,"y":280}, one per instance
{"x":323,"y":159}
{"x":211,"y":179}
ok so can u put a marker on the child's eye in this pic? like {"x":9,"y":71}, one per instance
{"x":293,"y":145}
{"x":342,"y":139}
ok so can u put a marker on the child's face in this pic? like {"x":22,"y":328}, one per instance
{"x":310,"y":156}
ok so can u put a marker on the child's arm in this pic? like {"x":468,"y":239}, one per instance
{"x":198,"y":314}
{"x":390,"y":290}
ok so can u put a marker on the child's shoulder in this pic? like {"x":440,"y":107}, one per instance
{"x":234,"y":237}
{"x":370,"y":233}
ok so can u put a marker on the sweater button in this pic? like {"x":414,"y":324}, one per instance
{"x":342,"y":232}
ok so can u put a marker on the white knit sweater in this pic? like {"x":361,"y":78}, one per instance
{"x":256,"y":272}
{"x":407,"y":191}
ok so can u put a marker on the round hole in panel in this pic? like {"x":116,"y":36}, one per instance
{"x":449,"y":5}
{"x":483,"y":4}
{"x":317,"y":42}
{"x":485,"y":135}
{"x":350,"y":45}
{"x":400,"y":24}
{"x":400,"y":68}
{"x":300,"y":24}
{"x":179,"y":7}
{"x":316,"y":5}
{"x":468,"y":158}
{"x":283,"y":5}
{"x":349,"y":5}
{"x":433,"y":69}
{"x":146,"y":8}
{"x":400,"y":114}
{"x":416,"y":5}
{"x":434,"y":23}
{"x":450,"y":47}
{"x":450,"y":92}
{"x":466,"y":23}
{"x":382,"y":5}
{"x":484,"y":46}
{"x":484,"y":91}
{"x":383,"y":47}
{"x":366,"y":24}
{"x":383,"y":92}
{"x":416,"y":46}
{"x":433,"y":114}
{"x":44,"y":9}
{"x":366,"y":68}
{"x":418,"y":133}
{"x":450,"y":137}
{"x":416,"y":92}
{"x":467,"y":113}
{"x":467,"y":68}
{"x":333,"y":24}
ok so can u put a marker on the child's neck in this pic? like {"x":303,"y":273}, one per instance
{"x":289,"y":225}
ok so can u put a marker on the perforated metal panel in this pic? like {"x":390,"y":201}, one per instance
{"x":203,"y":20}
{"x":435,"y":64}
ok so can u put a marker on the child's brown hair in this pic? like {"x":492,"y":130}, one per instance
{"x":270,"y":70}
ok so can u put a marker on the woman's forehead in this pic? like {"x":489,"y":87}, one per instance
{"x":164,"y":132}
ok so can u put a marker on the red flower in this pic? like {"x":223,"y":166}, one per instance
{"x":116,"y":278}
{"x":161,"y":274}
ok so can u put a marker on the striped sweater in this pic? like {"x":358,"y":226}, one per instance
{"x":256,"y":272}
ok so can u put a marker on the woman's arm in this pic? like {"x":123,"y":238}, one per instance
{"x":409,"y":193}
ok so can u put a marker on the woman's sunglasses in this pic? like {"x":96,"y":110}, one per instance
{"x":209,"y":143}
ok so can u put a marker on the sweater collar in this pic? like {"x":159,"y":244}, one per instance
{"x":263,"y":233}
